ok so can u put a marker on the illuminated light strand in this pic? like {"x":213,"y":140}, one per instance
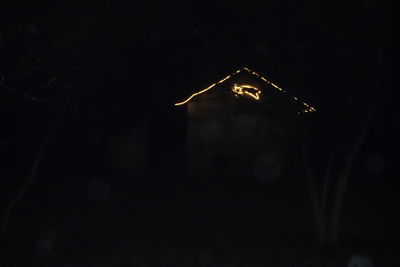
{"x":264,"y":79}
{"x":240,"y":90}
{"x":206,"y":89}
{"x":198,"y":93}
{"x":256,"y":96}
{"x":308,"y":107}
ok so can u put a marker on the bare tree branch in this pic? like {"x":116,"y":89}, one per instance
{"x":26,"y":95}
{"x":28,"y":182}
{"x":344,"y":172}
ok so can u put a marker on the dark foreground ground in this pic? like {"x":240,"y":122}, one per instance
{"x":186,"y":225}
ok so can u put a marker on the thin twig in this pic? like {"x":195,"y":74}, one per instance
{"x":27,"y":184}
{"x":26,"y":95}
{"x":327,"y":178}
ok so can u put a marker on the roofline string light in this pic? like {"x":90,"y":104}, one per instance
{"x":206,"y":89}
{"x":256,"y":96}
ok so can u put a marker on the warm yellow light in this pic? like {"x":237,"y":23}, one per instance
{"x":307,"y":109}
{"x":264,"y":79}
{"x":241,"y":90}
{"x":205,"y":90}
{"x":224,"y":79}
{"x":255,"y":95}
{"x":193,"y":95}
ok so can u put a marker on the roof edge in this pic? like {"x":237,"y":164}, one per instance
{"x":308,"y":108}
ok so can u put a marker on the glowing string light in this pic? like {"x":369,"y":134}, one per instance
{"x":308,"y":108}
{"x":205,"y":90}
{"x":241,"y":90}
{"x":256,"y":96}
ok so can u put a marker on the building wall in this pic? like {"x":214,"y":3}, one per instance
{"x":234,"y":139}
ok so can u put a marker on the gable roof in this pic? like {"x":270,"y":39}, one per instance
{"x":307,"y":107}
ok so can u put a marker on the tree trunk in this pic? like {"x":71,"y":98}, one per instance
{"x":343,"y":176}
{"x":352,"y":154}
{"x":337,"y":208}
{"x":321,"y":224}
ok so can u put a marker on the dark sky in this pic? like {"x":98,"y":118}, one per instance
{"x":123,"y":61}
{"x":185,"y":43}
{"x":130,"y":58}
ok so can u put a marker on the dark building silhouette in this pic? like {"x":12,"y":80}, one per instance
{"x":240,"y":128}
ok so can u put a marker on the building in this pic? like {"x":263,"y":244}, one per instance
{"x":240,"y":128}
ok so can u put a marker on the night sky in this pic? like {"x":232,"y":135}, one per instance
{"x":90,"y":130}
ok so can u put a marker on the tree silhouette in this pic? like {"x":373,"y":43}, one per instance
{"x":327,"y":184}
